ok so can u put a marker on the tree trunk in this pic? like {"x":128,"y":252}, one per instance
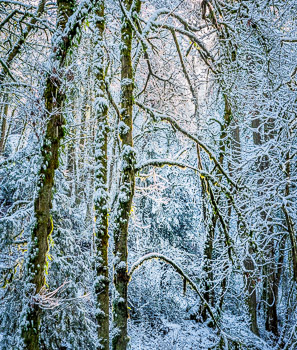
{"x":101,"y":283}
{"x":207,"y":191}
{"x":272,"y":291}
{"x":251,"y":298}
{"x":270,"y":287}
{"x":3,"y":124}
{"x":127,"y":181}
{"x":289,"y":221}
{"x":38,"y":248}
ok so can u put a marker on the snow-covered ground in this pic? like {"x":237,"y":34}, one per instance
{"x":190,"y":335}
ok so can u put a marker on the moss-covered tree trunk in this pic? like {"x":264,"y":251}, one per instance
{"x":38,"y":248}
{"x":127,"y":180}
{"x":101,"y":283}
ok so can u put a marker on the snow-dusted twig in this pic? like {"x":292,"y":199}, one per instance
{"x":14,"y":51}
{"x":51,"y":301}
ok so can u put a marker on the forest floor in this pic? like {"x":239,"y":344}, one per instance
{"x":189,"y":335}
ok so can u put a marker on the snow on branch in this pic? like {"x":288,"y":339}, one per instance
{"x":188,"y":280}
{"x":158,"y":115}
{"x":5,"y":70}
{"x":18,"y":3}
{"x":49,"y":301}
{"x":62,"y":42}
{"x":289,"y":40}
{"x":163,"y":162}
{"x":15,"y":49}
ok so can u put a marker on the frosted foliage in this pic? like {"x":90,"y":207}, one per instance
{"x":200,"y":131}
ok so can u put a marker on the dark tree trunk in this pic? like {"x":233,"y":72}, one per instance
{"x":38,"y":248}
{"x":127,"y":181}
{"x":101,"y":284}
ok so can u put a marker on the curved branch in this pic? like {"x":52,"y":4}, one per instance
{"x":188,"y":280}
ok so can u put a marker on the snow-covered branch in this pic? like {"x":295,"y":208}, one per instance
{"x":158,"y":115}
{"x":163,"y":162}
{"x":179,"y":270}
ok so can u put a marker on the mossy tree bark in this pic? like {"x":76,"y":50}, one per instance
{"x":127,"y":181}
{"x":54,"y":99}
{"x":101,"y":283}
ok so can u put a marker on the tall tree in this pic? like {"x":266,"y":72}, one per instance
{"x":101,"y":197}
{"x":127,"y":180}
{"x":54,"y":98}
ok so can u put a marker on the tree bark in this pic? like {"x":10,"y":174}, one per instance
{"x":289,"y":221}
{"x":3,"y":124}
{"x":127,"y":182}
{"x":38,"y":248}
{"x":270,"y":288}
{"x":101,"y":283}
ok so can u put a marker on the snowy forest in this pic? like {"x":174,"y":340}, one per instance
{"x":148,"y":174}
